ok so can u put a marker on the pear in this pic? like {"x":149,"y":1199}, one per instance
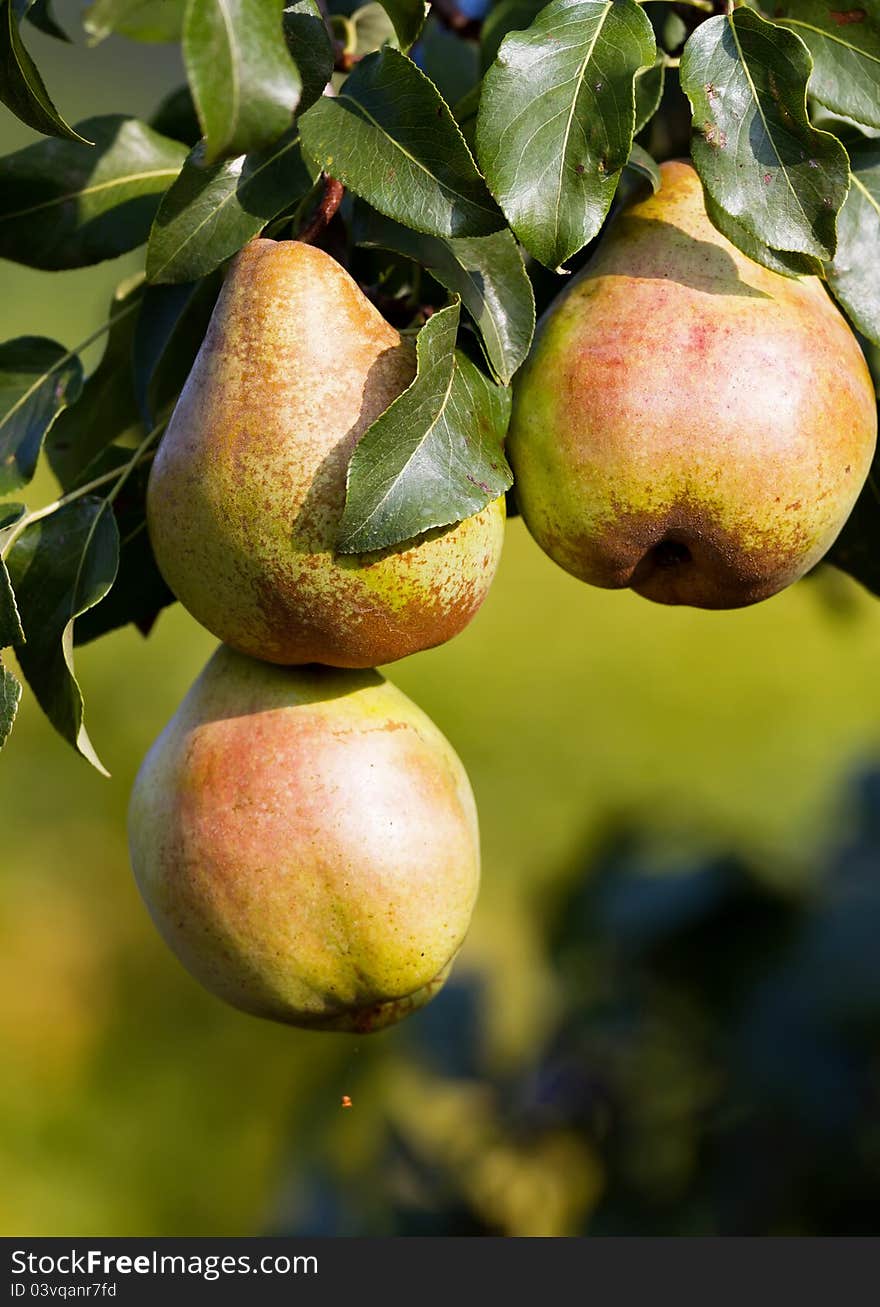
{"x":306,"y":842}
{"x":248,"y":485}
{"x":689,"y":423}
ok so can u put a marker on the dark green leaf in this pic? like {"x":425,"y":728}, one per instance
{"x":66,"y":205}
{"x":211,"y":212}
{"x":785,"y":262}
{"x":176,"y":117}
{"x":170,"y":329}
{"x":39,"y":12}
{"x":854,"y":273}
{"x":759,"y":157}
{"x":244,"y":82}
{"x":139,"y":20}
{"x":486,"y":271}
{"x":10,"y":623}
{"x":640,"y":161}
{"x":309,"y":43}
{"x":857,"y":549}
{"x":21,"y":87}
{"x":60,"y":567}
{"x":407,"y":17}
{"x":10,"y":695}
{"x":508,"y":16}
{"x":845,"y":45}
{"x":649,"y":93}
{"x":452,"y":64}
{"x":38,"y":378}
{"x":435,"y":456}
{"x":466,"y":114}
{"x":139,"y":593}
{"x":106,"y":410}
{"x":391,"y":139}
{"x":556,"y":120}
{"x":372,"y":29}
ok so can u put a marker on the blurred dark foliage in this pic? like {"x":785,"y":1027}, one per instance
{"x":714,"y":1067}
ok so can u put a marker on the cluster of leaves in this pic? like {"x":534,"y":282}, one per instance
{"x":481,"y":153}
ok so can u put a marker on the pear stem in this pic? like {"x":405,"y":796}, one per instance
{"x":329,"y":203}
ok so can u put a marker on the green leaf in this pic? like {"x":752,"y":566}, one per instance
{"x":66,"y":205}
{"x":391,"y":139}
{"x":785,"y":262}
{"x":176,"y":117}
{"x":21,"y":87}
{"x":487,"y":272}
{"x":171,"y":326}
{"x":106,"y":410}
{"x":556,"y":120}
{"x":244,"y":82}
{"x":434,"y":457}
{"x":854,"y":273}
{"x":649,"y":93}
{"x":372,"y":29}
{"x":408,"y":17}
{"x":309,"y":44}
{"x":856,"y":550}
{"x":453,"y":65}
{"x":211,"y":212}
{"x":508,"y":16}
{"x":61,"y":566}
{"x":38,"y":378}
{"x":753,"y":145}
{"x":10,"y":696}
{"x":640,"y":162}
{"x":845,"y":45}
{"x":40,"y":14}
{"x":10,"y":622}
{"x":139,"y":20}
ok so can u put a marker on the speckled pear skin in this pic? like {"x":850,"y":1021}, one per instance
{"x":306,"y":842}
{"x":689,"y":423}
{"x":248,"y":485}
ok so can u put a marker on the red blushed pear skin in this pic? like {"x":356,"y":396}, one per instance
{"x":689,"y":424}
{"x":248,"y":485}
{"x":306,"y":842}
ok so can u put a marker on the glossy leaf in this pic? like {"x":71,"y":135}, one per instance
{"x":211,"y":212}
{"x":508,"y":16}
{"x":67,"y":205}
{"x":649,"y":93}
{"x":435,"y":456}
{"x":854,"y":273}
{"x":41,"y":14}
{"x":845,"y":44}
{"x":38,"y":378}
{"x":556,"y":120}
{"x":408,"y":17}
{"x":391,"y":139}
{"x":640,"y":162}
{"x":309,"y":44}
{"x":139,"y":20}
{"x":170,"y":328}
{"x":176,"y":117}
{"x":245,"y":84}
{"x":60,"y":567}
{"x":10,"y":622}
{"x":753,"y":146}
{"x":785,"y":262}
{"x":487,"y":272}
{"x":21,"y":87}
{"x":10,"y":696}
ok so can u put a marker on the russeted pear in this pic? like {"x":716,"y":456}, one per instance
{"x":689,"y":423}
{"x":306,"y":842}
{"x":248,"y":485}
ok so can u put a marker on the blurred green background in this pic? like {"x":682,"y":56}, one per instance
{"x":666,"y":1016}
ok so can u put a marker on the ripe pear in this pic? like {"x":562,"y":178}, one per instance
{"x":689,"y":423}
{"x":306,"y":842}
{"x":248,"y":485}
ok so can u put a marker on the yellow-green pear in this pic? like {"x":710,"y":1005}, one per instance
{"x":248,"y":485}
{"x":306,"y":842}
{"x":689,"y":423}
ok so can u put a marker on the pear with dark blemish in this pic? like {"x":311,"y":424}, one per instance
{"x":689,"y":424}
{"x":306,"y":842}
{"x":248,"y":484}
